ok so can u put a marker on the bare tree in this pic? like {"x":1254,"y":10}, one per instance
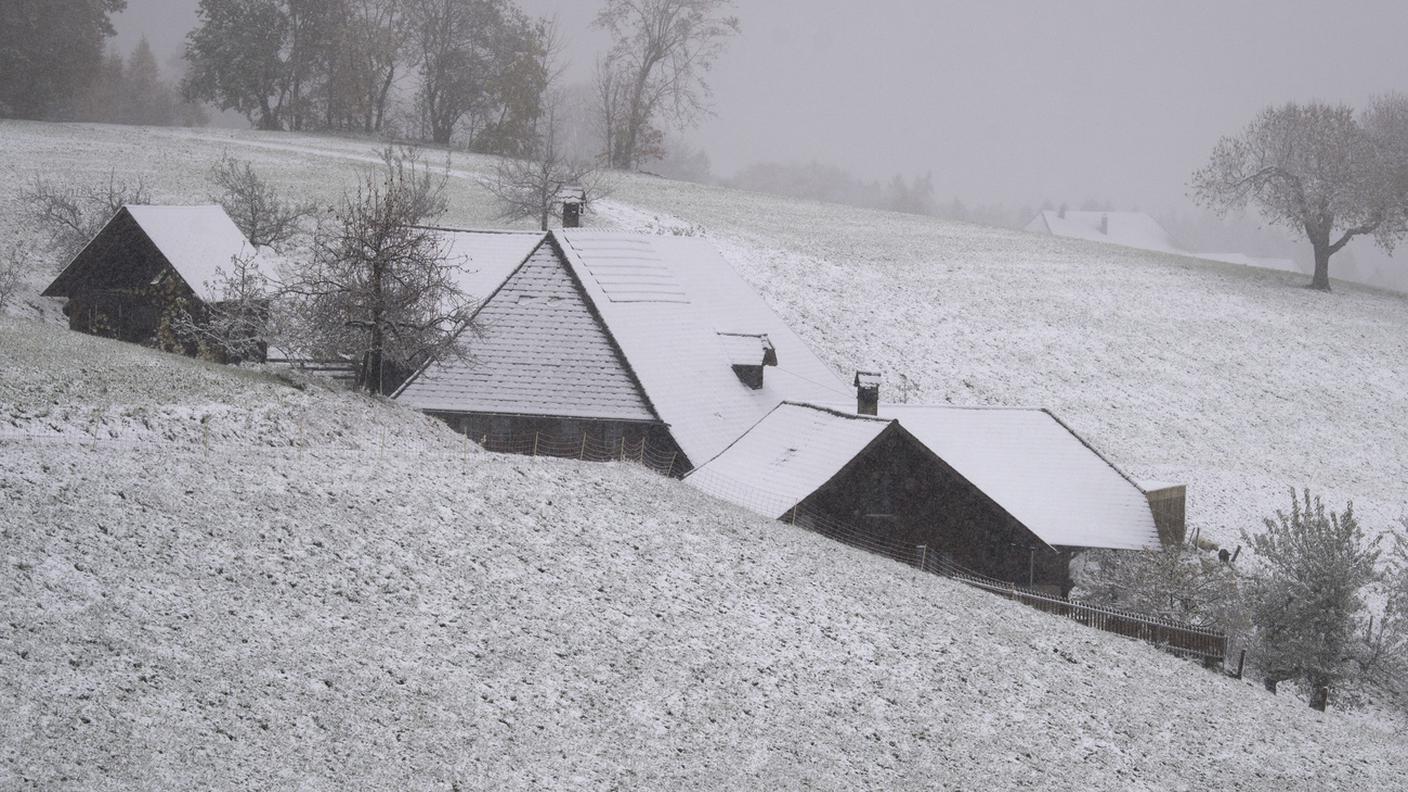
{"x":14,"y":262}
{"x":660,"y":52}
{"x":1319,"y":170}
{"x":71,"y":217}
{"x":537,"y":186}
{"x":378,"y":288}
{"x":256,"y":206}
{"x":233,"y":327}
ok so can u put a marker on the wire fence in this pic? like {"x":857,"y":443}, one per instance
{"x":1185,"y":640}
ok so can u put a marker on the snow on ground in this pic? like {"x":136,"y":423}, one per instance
{"x":1231,"y":379}
{"x":329,"y":617}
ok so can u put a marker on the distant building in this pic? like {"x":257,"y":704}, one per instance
{"x":1137,"y":230}
{"x":1130,"y":229}
{"x":147,"y":262}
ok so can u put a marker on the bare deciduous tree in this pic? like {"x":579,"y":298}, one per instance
{"x":1319,"y":170}
{"x":660,"y":52}
{"x":537,"y":186}
{"x":378,"y":289}
{"x":235,"y":326}
{"x":71,"y":217}
{"x":256,"y":206}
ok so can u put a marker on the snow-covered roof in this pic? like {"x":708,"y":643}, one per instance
{"x":788,"y":455}
{"x":1038,"y":470}
{"x":539,"y":351}
{"x":199,"y":242}
{"x":665,"y":301}
{"x":1131,"y":229}
{"x":484,"y":259}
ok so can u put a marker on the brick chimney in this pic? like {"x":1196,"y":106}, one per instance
{"x":867,"y":393}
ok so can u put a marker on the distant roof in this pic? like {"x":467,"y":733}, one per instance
{"x":1131,"y":229}
{"x":199,"y":242}
{"x":789,"y":454}
{"x":666,"y":300}
{"x":539,"y":351}
{"x":1039,"y":471}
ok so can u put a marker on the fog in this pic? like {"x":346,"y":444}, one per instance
{"x":1004,"y":101}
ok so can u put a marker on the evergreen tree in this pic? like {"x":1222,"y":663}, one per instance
{"x":50,"y":54}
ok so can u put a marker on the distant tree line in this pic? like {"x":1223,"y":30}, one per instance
{"x":480,"y":67}
{"x":55,"y":65}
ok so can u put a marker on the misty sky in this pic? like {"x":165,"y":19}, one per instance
{"x":1006,"y":101}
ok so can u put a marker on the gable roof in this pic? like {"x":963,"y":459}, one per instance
{"x":791,"y":453}
{"x":1026,"y":461}
{"x":540,"y":351}
{"x":1038,"y":470}
{"x":197,"y":241}
{"x":1130,"y":229}
{"x":666,"y":301}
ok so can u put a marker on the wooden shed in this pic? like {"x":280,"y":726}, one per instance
{"x":146,"y":264}
{"x":1008,"y":494}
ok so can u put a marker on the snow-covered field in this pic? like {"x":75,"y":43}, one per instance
{"x":300,"y":604}
{"x":1233,"y":380}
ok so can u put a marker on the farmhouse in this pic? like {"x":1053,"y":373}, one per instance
{"x":652,"y":346}
{"x":1009,"y":494}
{"x":148,"y":263}
{"x":1131,"y":229}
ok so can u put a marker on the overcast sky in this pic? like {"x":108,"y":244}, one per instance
{"x":1003,"y":100}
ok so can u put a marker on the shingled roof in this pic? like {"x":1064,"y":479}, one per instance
{"x":669,"y":310}
{"x":540,"y":351}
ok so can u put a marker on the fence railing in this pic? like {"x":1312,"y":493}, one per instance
{"x":1187,"y":640}
{"x":584,"y":447}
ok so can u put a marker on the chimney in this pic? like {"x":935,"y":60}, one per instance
{"x":1105,"y":224}
{"x":572,"y":207}
{"x":867,"y":393}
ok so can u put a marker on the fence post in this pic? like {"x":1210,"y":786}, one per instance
{"x":535,"y":444}
{"x":923,"y":555}
{"x":623,"y":448}
{"x":582,"y":454}
{"x":1241,"y":662}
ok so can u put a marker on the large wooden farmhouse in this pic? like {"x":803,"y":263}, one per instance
{"x":619,"y":340}
{"x":147,"y":262}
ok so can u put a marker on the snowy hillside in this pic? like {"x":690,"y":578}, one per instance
{"x":1233,"y":380}
{"x":337,"y":613}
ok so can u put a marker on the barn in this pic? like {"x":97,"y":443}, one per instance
{"x":1009,"y":494}
{"x":146,"y":263}
{"x":608,"y":345}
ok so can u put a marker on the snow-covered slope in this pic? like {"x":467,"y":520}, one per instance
{"x":338,"y":614}
{"x":1229,"y":378}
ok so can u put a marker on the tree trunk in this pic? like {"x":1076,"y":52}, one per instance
{"x":1321,"y":279}
{"x":1319,"y":692}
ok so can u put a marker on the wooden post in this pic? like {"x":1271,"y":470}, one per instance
{"x":923,"y":554}
{"x":623,"y":448}
{"x":535,"y":444}
{"x":583,"y":453}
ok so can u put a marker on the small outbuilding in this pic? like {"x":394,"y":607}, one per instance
{"x":147,"y":263}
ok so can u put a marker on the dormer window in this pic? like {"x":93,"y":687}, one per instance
{"x":748,"y":353}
